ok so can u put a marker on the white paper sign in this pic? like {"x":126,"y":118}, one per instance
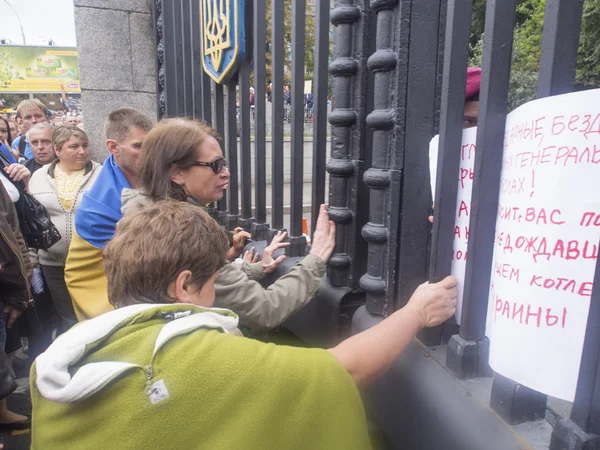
{"x":546,"y":246}
{"x":463,"y":205}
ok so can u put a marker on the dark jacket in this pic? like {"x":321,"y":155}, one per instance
{"x":15,"y":267}
{"x":33,"y":165}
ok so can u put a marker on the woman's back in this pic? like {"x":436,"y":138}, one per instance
{"x":207,"y":388}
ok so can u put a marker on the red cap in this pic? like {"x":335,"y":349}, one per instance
{"x":473,"y":82}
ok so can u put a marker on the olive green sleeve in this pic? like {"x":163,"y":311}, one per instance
{"x":258,"y":307}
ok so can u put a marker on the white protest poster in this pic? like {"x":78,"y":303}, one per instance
{"x":463,"y":205}
{"x":546,"y":246}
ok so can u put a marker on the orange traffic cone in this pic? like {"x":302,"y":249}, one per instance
{"x":305,"y":230}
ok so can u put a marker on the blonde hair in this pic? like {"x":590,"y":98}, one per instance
{"x":153,"y":246}
{"x":31,"y":104}
{"x":65,"y":132}
{"x":172,"y":143}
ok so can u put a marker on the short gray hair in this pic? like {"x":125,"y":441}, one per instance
{"x":39,"y":126}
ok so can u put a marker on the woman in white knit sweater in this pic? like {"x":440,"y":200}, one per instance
{"x":59,"y":186}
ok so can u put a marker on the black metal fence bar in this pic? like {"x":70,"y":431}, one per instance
{"x":451,"y":118}
{"x":297,"y":133}
{"x":351,"y":20}
{"x":196,"y":63}
{"x":219,"y":124}
{"x":469,"y":351}
{"x":320,"y":108}
{"x":420,"y":117}
{"x":458,"y":25}
{"x":187,"y":57}
{"x":277,"y":63}
{"x":586,"y":407}
{"x":562,"y":25}
{"x":206,"y":96}
{"x":245,"y":135}
{"x":158,"y":23}
{"x":231,"y":146}
{"x":440,"y":75}
{"x":181,"y":54}
{"x":384,"y":176}
{"x":528,"y":404}
{"x":170,"y":52}
{"x":260,"y":145}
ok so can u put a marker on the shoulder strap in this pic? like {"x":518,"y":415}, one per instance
{"x":22,"y":145}
{"x":4,"y":160}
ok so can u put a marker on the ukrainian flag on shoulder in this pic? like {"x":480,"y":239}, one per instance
{"x":95,"y":224}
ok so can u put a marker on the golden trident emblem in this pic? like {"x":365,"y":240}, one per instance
{"x":216,"y":30}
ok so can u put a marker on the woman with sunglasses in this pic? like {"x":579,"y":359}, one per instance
{"x":181,"y":159}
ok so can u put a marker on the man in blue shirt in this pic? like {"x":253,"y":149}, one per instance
{"x":30,"y":112}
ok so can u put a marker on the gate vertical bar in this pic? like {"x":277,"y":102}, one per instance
{"x":348,"y":69}
{"x":418,"y":130}
{"x":219,"y":124}
{"x":158,"y":22}
{"x":557,"y":75}
{"x":562,"y":25}
{"x":170,"y":57}
{"x":277,"y":63}
{"x":468,"y":352}
{"x":260,"y":228}
{"x":186,"y":56}
{"x":584,"y":426}
{"x":231,"y":145}
{"x":245,"y":160}
{"x":196,"y":64}
{"x":206,"y":96}
{"x":456,"y":55}
{"x":320,"y":108}
{"x":298,"y":242}
{"x":390,"y":65}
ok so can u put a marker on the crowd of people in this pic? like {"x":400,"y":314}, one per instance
{"x":148,"y":294}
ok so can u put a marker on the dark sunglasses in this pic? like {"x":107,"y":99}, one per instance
{"x":217,"y":165}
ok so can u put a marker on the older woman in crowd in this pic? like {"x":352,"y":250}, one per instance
{"x":181,"y":159}
{"x":167,"y":370}
{"x":59,"y":186}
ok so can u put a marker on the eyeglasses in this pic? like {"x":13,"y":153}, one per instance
{"x":217,"y":165}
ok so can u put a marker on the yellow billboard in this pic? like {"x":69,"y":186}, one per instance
{"x":25,"y":69}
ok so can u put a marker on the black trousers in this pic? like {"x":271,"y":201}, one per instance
{"x":55,"y":278}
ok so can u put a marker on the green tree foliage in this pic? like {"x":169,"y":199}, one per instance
{"x":309,"y":41}
{"x":588,"y":62}
{"x":527,"y":47}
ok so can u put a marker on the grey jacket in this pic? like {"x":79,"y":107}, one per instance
{"x":257,"y":307}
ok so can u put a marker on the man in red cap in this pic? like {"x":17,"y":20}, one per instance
{"x":471,"y":111}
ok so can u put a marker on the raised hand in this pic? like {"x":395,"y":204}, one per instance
{"x":323,"y":241}
{"x":435,"y":303}
{"x":268,"y":263}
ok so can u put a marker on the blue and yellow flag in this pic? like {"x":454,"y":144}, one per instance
{"x":95,"y":224}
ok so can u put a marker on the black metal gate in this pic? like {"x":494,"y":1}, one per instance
{"x":398,"y":73}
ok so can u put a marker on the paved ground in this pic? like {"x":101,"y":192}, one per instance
{"x":18,"y":402}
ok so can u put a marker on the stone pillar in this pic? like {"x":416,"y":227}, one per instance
{"x":115,"y":41}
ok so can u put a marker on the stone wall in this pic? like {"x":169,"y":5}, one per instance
{"x":115,"y":40}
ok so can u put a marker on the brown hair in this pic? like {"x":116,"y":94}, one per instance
{"x":31,"y":104}
{"x":121,"y":120}
{"x":65,"y":132}
{"x":172,"y":143}
{"x":152,"y":247}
